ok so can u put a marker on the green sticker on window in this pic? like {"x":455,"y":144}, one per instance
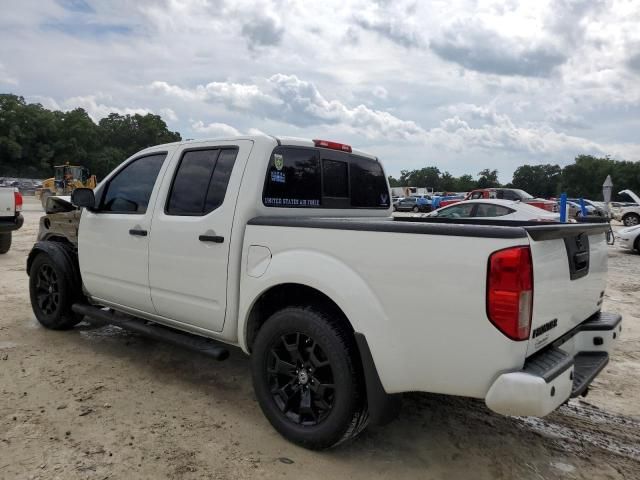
{"x":278,"y":161}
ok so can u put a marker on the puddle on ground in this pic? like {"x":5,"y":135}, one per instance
{"x":98,"y":332}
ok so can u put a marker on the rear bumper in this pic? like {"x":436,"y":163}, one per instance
{"x":10,"y":224}
{"x":563,"y":370}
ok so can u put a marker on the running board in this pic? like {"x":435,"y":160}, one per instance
{"x":152,"y":330}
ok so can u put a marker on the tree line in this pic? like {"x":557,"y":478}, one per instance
{"x":583,"y":178}
{"x":34,"y":139}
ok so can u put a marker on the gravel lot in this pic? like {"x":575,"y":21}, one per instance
{"x":103,"y":404}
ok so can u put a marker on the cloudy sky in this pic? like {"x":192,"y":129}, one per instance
{"x":462,"y":85}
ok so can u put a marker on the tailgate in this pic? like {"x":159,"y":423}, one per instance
{"x":569,"y":275}
{"x":7,"y":202}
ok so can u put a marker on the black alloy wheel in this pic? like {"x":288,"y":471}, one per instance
{"x":47,"y":289}
{"x":307,"y":377}
{"x":53,"y":291}
{"x":300,"y":379}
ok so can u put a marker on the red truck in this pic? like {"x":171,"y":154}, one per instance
{"x":506,"y":194}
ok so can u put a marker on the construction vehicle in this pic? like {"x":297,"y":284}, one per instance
{"x":66,"y":179}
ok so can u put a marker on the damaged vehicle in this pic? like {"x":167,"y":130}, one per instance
{"x":279,"y":247}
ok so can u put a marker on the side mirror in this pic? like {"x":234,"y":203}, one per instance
{"x":83,"y":197}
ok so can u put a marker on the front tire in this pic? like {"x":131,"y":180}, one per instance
{"x":631,"y":219}
{"x":307,"y":378}
{"x":415,"y":209}
{"x":50,"y":290}
{"x":5,"y":242}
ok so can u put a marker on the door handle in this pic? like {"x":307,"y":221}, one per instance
{"x":139,"y":233}
{"x":211,"y":238}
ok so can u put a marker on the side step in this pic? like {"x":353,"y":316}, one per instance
{"x":199,"y":344}
{"x":587,"y":365}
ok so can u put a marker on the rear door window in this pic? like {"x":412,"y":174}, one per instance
{"x":321,"y":178}
{"x":200,"y":182}
{"x":489,"y":210}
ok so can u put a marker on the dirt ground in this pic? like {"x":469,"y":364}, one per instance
{"x":103,"y":404}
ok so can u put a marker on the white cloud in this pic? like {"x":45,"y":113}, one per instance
{"x":168,"y":114}
{"x":6,"y":78}
{"x":215,"y":129}
{"x":459,"y":82}
{"x":98,"y":110}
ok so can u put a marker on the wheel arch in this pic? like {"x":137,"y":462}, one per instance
{"x":63,"y":254}
{"x":629,"y":214}
{"x":383,"y":408}
{"x":278,"y":296}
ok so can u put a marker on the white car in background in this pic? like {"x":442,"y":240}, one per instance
{"x":629,"y":215}
{"x":629,"y":238}
{"x":495,"y":209}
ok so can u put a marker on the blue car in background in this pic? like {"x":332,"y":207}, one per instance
{"x":415,"y":203}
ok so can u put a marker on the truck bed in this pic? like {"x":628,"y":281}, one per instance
{"x":436,"y":266}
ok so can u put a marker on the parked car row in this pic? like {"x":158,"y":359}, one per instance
{"x":513,"y":194}
{"x":25,"y":186}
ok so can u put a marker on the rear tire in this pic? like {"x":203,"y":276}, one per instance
{"x":415,"y":209}
{"x":307,"y":379}
{"x":5,"y":242}
{"x":51,"y":293}
{"x":631,"y":219}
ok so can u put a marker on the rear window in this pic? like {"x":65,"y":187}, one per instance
{"x":323,"y":178}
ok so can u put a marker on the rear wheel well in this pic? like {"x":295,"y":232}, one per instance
{"x":287,"y":295}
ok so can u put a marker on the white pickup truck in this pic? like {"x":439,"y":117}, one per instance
{"x":10,"y":216}
{"x":282,"y":247}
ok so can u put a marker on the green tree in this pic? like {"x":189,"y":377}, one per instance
{"x":466,"y":183}
{"x":34,"y":139}
{"x":538,"y":180}
{"x":488,"y":178}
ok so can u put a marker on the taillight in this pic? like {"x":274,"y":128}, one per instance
{"x":18,"y":200}
{"x":332,"y":145}
{"x":510,"y":291}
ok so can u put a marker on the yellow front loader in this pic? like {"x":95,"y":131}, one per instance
{"x":66,"y":179}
